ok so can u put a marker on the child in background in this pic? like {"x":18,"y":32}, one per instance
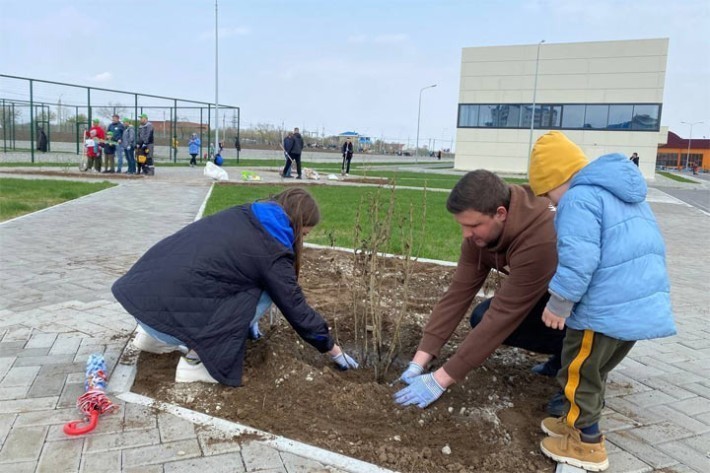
{"x":610,"y":288}
{"x":91,"y":146}
{"x":109,"y":146}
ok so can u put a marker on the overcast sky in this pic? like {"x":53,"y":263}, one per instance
{"x":330,"y":65}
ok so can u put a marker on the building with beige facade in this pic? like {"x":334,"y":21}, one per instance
{"x":606,"y":96}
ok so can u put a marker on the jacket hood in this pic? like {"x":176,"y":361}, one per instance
{"x":615,"y":173}
{"x":524,"y":210}
{"x":273,"y":218}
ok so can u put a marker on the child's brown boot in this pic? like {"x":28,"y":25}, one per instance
{"x":571,"y":450}
{"x":555,"y":426}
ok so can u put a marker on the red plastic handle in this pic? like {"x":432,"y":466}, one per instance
{"x":74,"y":427}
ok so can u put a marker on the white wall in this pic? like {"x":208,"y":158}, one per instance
{"x":596,"y":72}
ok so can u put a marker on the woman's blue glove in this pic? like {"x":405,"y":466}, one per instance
{"x":422,"y":391}
{"x":344,"y":361}
{"x":413,"y":370}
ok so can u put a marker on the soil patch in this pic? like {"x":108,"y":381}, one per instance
{"x":489,"y":422}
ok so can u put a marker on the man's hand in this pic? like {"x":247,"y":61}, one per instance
{"x":552,"y":320}
{"x":422,"y":391}
{"x":413,"y":370}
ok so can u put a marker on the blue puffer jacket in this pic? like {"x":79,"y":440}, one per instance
{"x":193,"y":147}
{"x":611,"y":254}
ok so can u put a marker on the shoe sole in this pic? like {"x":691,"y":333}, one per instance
{"x":575,"y":462}
{"x":179,"y":379}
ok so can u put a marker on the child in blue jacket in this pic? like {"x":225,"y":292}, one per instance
{"x":610,"y":288}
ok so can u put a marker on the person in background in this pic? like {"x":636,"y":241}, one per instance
{"x":109,"y":146}
{"x":635,"y":158}
{"x":117,"y":129}
{"x":146,"y":136}
{"x":607,"y":236}
{"x":91,"y":149}
{"x":174,"y":144}
{"x":193,"y":147}
{"x":206,"y":299}
{"x":129,"y":142}
{"x":99,"y":137}
{"x":287,"y":147}
{"x":508,"y":229}
{"x":347,"y":157}
{"x":296,"y":150}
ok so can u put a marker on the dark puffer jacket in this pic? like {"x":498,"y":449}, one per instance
{"x":201,"y":285}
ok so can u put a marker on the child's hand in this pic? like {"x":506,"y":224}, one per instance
{"x":553,"y":321}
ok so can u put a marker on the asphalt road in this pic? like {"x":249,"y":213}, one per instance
{"x":699,"y":198}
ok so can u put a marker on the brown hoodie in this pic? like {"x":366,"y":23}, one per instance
{"x":527,"y":253}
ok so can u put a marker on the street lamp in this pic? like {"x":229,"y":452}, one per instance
{"x":534,"y":100}
{"x":216,"y":77}
{"x":690,"y":140}
{"x":419,"y":116}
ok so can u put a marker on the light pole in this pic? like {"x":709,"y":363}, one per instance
{"x":419,"y":116}
{"x":216,"y":77}
{"x":690,"y":140}
{"x":534,"y":101}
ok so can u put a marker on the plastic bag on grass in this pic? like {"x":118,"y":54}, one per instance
{"x":215,"y":172}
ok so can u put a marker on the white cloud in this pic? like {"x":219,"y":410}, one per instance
{"x":102,"y":77}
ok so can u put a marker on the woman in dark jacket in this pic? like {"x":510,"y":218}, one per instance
{"x":203,"y":289}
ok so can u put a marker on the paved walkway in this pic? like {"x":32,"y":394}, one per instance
{"x":56,"y":268}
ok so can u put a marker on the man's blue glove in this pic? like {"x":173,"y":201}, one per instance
{"x":422,"y":391}
{"x":345,"y":362}
{"x":413,"y":370}
{"x":254,"y":332}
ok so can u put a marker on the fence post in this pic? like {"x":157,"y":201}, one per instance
{"x":32,"y":122}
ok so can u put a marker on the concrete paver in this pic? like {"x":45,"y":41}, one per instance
{"x":56,"y":308}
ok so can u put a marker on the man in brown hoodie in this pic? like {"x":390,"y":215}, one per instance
{"x":506,"y":228}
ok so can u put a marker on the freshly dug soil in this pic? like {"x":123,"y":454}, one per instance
{"x":488,"y":423}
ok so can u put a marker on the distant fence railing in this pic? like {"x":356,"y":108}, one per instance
{"x":40,"y":112}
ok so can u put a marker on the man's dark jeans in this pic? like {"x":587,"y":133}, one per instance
{"x":531,"y":334}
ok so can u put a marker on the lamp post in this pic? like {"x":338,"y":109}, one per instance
{"x":216,"y":77}
{"x":690,"y":140}
{"x":419,"y":116}
{"x":534,"y":101}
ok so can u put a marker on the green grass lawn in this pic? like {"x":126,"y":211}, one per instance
{"x":438,"y":236}
{"x":676,"y":177}
{"x":23,"y":196}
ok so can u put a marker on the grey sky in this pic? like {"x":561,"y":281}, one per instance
{"x":334,"y":65}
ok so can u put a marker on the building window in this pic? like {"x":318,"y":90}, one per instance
{"x":468,"y":116}
{"x":667,"y":160}
{"x":636,"y":117}
{"x":573,"y":117}
{"x":508,"y":116}
{"x":596,"y":116}
{"x":485,"y":116}
{"x":645,"y":117}
{"x":620,"y":116}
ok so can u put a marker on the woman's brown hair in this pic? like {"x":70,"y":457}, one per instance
{"x":302,"y":210}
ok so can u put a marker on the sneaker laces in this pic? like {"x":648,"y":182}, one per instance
{"x":192,"y":360}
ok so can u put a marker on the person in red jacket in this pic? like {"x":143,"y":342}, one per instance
{"x":99,"y":136}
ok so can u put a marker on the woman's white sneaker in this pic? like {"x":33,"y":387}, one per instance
{"x":190,"y":370}
{"x":145,"y":342}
